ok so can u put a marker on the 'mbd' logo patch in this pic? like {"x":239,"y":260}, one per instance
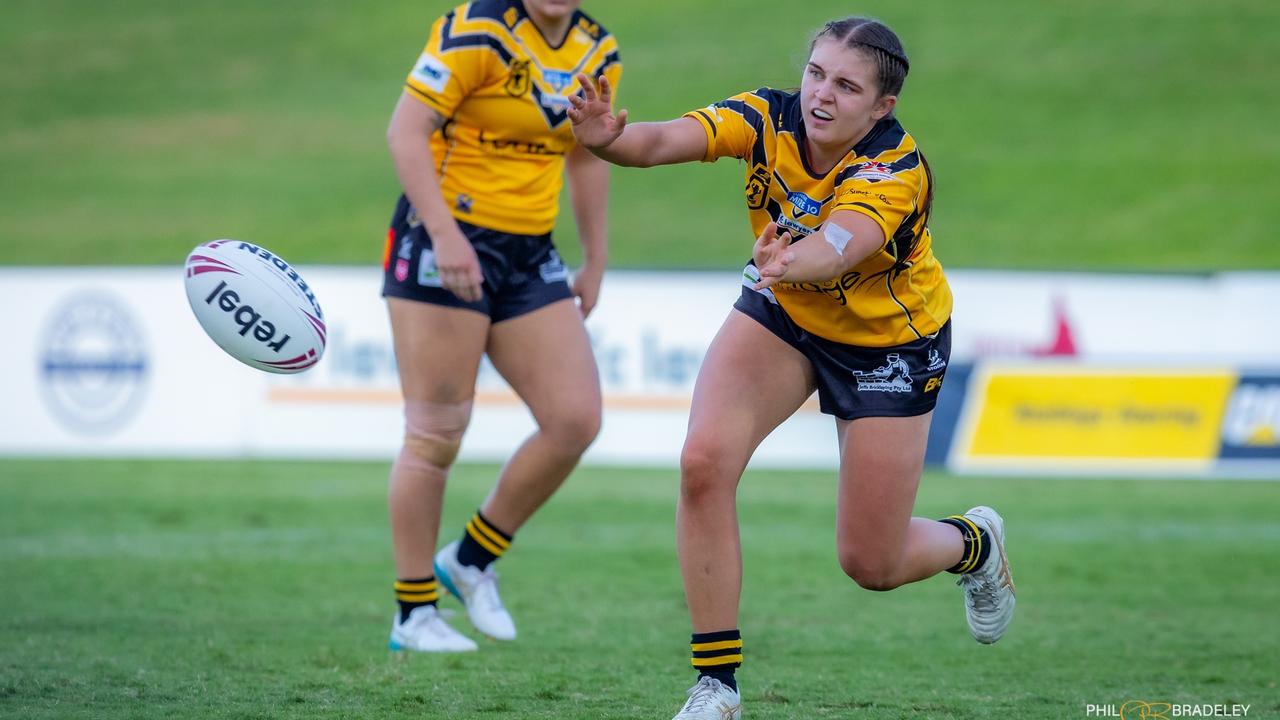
{"x":431,"y":72}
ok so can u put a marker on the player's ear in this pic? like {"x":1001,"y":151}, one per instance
{"x":884,"y":106}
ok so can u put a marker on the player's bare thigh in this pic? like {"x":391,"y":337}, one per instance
{"x":545,"y":355}
{"x":438,"y":349}
{"x":749,"y":383}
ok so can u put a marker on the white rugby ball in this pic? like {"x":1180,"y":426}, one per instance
{"x":255,"y":306}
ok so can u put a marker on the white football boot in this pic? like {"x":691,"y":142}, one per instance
{"x":711,"y":699}
{"x":425,"y":631}
{"x":988,"y":591}
{"x":478,"y":591}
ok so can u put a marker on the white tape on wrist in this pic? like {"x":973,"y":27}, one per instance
{"x":837,"y":237}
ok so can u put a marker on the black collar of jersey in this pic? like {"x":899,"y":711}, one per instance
{"x":495,"y":10}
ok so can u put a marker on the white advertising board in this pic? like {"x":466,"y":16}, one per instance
{"x":110,"y":361}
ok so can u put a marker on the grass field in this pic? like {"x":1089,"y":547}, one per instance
{"x":1090,"y":134}
{"x":262,"y":590}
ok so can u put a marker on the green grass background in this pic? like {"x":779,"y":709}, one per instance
{"x":1131,"y":134}
{"x":262,"y":590}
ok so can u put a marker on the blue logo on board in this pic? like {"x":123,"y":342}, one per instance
{"x":93,"y":363}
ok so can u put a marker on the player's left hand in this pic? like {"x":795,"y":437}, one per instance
{"x":773,"y":255}
{"x":586,"y":287}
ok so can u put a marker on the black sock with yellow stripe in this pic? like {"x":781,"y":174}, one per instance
{"x":976,"y":545}
{"x":482,"y":543}
{"x":412,"y":594}
{"x":717,"y":655}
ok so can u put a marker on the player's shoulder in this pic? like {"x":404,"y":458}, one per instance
{"x":887,"y":152}
{"x":761,"y":105}
{"x":887,"y":140}
{"x":592,"y":27}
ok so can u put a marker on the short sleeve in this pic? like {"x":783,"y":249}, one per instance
{"x":884,"y":192}
{"x":731,"y":126}
{"x":445,"y":75}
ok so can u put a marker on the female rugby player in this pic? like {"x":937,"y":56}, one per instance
{"x":843,"y":296}
{"x":480,"y":137}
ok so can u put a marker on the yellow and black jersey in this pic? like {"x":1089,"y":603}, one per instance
{"x":895,"y":295}
{"x":504,"y":91}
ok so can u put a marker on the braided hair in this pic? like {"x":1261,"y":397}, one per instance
{"x":877,"y":41}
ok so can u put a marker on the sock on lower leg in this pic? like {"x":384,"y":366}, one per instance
{"x":482,"y":543}
{"x":717,"y":655}
{"x":413,"y":594}
{"x":976,"y":544}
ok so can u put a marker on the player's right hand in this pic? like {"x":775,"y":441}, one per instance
{"x":458,"y":265}
{"x":591,"y":113}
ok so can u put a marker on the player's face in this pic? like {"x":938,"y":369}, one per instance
{"x":840,"y":95}
{"x":552,"y":9}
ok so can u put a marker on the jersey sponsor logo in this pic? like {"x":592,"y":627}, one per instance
{"x":804,"y":204}
{"x":464,"y":203}
{"x":757,"y":189}
{"x":874,"y":172}
{"x":553,"y":101}
{"x":893,"y":376}
{"x":796,"y":228}
{"x":431,"y":72}
{"x":520,"y":78}
{"x":557,"y":79}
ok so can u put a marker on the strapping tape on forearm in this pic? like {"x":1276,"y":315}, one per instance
{"x":837,"y":237}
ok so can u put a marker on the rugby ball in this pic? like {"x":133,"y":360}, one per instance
{"x":255,"y":306}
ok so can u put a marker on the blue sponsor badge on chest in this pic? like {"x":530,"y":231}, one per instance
{"x":558,"y":79}
{"x":804,"y":204}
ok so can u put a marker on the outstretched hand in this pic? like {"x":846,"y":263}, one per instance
{"x":773,"y":255}
{"x":594,"y":124}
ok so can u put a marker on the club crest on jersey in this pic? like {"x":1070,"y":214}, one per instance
{"x":520,"y":79}
{"x":804,"y":204}
{"x":874,"y":172}
{"x":757,"y":189}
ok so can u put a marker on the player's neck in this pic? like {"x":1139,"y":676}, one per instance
{"x":823,"y":159}
{"x":554,"y":30}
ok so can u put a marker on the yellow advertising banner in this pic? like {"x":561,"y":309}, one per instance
{"x":1130,"y":414}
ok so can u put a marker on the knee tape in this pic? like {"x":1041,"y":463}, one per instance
{"x":433,"y":431}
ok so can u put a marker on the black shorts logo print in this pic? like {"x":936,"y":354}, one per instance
{"x":553,"y":270}
{"x":893,"y":376}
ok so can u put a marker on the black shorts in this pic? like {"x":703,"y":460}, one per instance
{"x":854,"y":381}
{"x":521,"y":272}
